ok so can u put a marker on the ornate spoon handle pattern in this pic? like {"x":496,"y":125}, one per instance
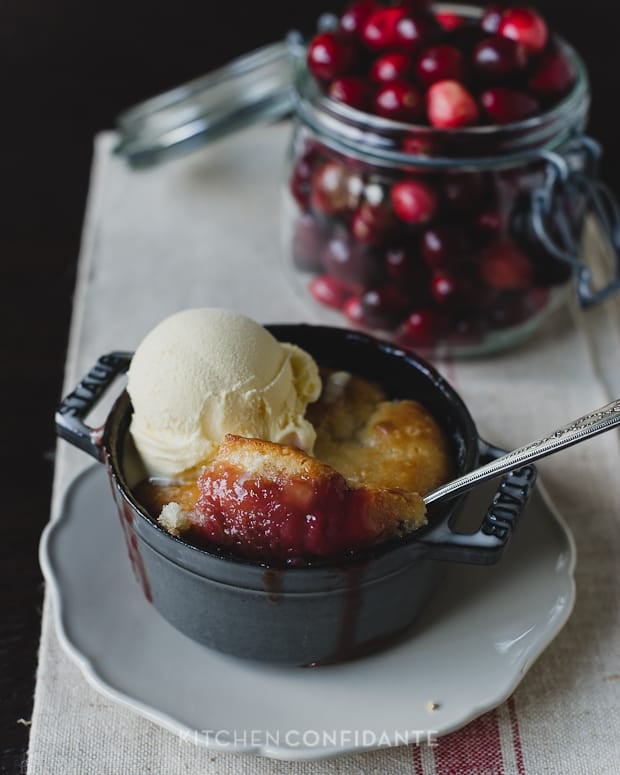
{"x":599,"y":421}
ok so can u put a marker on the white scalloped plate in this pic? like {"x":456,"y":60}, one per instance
{"x":480,"y":633}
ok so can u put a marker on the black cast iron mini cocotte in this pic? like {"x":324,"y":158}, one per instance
{"x":321,"y":611}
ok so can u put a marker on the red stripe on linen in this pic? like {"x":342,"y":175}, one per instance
{"x":417,"y":760}
{"x":474,"y":750}
{"x":516,"y":735}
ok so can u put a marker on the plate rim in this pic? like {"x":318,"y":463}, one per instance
{"x":165,"y":720}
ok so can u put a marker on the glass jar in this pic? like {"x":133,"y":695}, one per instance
{"x":452,"y":242}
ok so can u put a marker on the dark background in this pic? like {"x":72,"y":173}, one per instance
{"x":67,"y":67}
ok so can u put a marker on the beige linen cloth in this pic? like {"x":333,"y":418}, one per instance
{"x":204,"y":231}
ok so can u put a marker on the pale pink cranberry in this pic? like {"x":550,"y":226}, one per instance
{"x":553,"y":77}
{"x":399,"y":101}
{"x":335,"y":189}
{"x":350,"y":90}
{"x":394,"y":66}
{"x":440,"y":63}
{"x":505,"y":106}
{"x":329,"y":291}
{"x":330,"y":55}
{"x":504,"y":267}
{"x":449,"y":105}
{"x":413,"y":201}
{"x":526,"y":26}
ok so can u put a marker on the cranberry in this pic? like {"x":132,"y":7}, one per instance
{"x":415,"y":31}
{"x":424,"y":325}
{"x":403,"y":266}
{"x":352,"y":310}
{"x":390,"y":67}
{"x":491,"y":18}
{"x":308,"y":243}
{"x":399,"y":101}
{"x":449,"y":105}
{"x":488,"y":223}
{"x":355,"y":16}
{"x":329,"y":291}
{"x":371,"y":223}
{"x":440,"y":63}
{"x":351,"y":90}
{"x":504,"y":106}
{"x":444,"y":287}
{"x":385,"y":306}
{"x":444,"y":246}
{"x":418,"y":145}
{"x":450,"y":21}
{"x":553,"y":77}
{"x":335,"y":189}
{"x":301,"y":179}
{"x":462,"y":192}
{"x":350,"y":261}
{"x":503,"y":266}
{"x":525,"y":26}
{"x":330,"y":55}
{"x":379,"y":30}
{"x":413,"y":201}
{"x":499,"y":57}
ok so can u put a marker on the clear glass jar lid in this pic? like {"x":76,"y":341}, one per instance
{"x":253,"y":88}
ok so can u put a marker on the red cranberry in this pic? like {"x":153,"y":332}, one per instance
{"x":385,"y":306}
{"x":352,"y":310}
{"x":444,"y":287}
{"x":450,"y":21}
{"x":491,"y":18}
{"x":371,"y":223}
{"x":379,"y":30}
{"x":504,"y":267}
{"x":449,"y":105}
{"x":554,"y":76}
{"x":390,"y":67}
{"x":444,"y":246}
{"x":462,"y":192}
{"x":413,"y":201}
{"x":330,"y":55}
{"x":414,"y":31}
{"x":335,"y":189}
{"x":351,"y":90}
{"x":440,"y":63}
{"x":399,"y":101}
{"x":350,"y":261}
{"x":404,"y":267}
{"x":355,"y":16}
{"x":488,"y":223}
{"x":301,"y":179}
{"x":418,"y":145}
{"x":525,"y":26}
{"x":329,"y":291}
{"x":499,"y":57}
{"x":308,"y":243}
{"x":504,"y":106}
{"x":423,"y":326}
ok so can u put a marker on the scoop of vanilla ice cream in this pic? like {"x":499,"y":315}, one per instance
{"x":203,"y":373}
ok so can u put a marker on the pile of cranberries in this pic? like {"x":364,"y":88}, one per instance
{"x":429,"y":257}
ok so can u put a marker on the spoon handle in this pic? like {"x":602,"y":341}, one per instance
{"x":591,"y":424}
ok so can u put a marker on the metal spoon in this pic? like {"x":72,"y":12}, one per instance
{"x":599,"y":421}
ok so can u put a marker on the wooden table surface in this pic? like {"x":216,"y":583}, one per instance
{"x":68,"y":69}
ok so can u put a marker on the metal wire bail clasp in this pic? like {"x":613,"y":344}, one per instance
{"x":573,"y":192}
